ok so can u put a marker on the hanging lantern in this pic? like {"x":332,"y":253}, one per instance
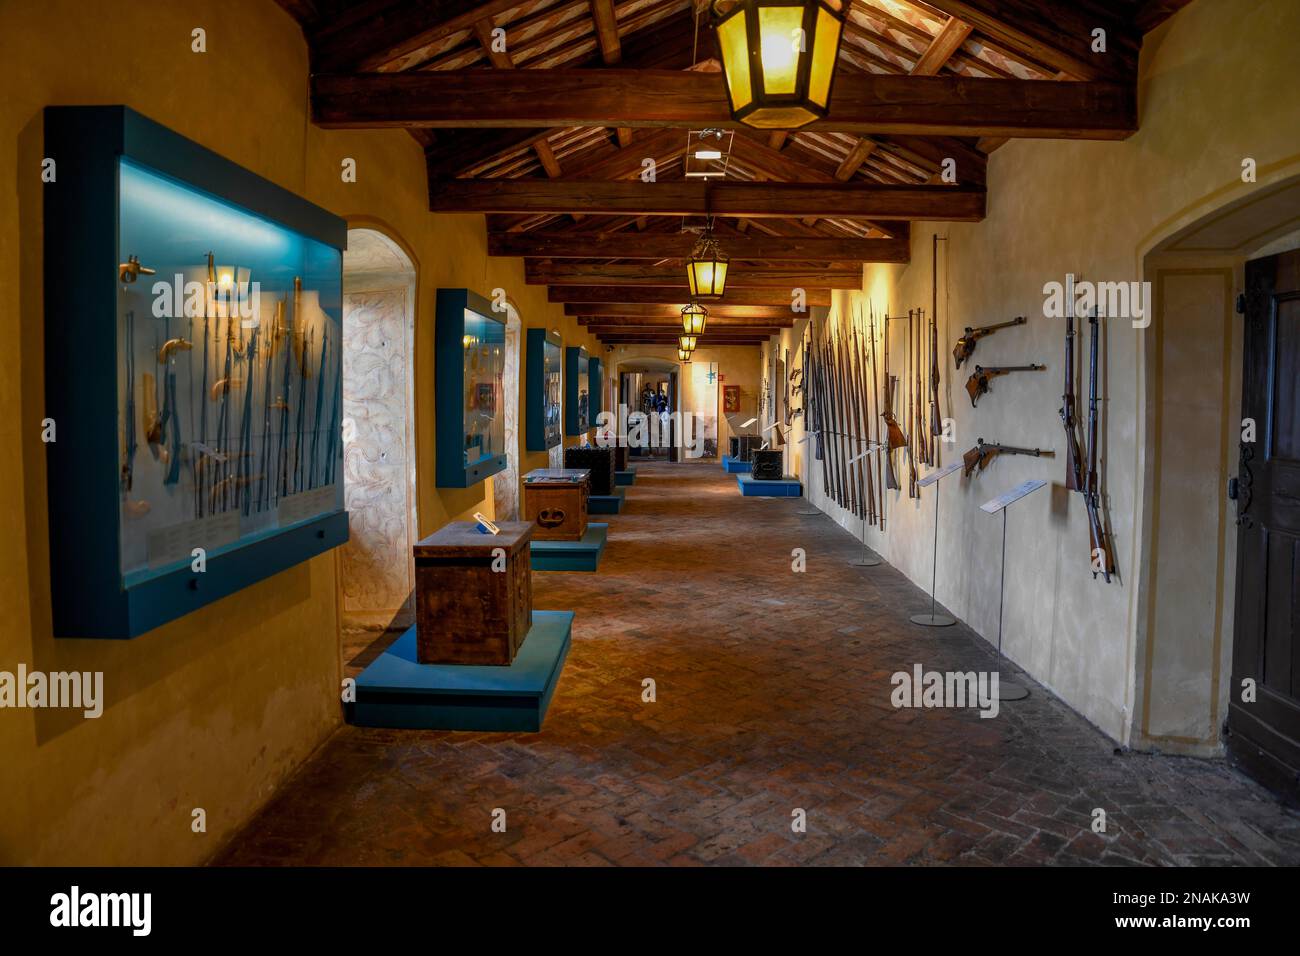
{"x":687,"y":343}
{"x":693,"y":318}
{"x":683,"y":355}
{"x":706,"y":270}
{"x":779,"y":59}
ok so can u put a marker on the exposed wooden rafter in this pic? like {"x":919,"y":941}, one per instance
{"x":673,"y":245}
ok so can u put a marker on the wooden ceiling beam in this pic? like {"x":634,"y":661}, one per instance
{"x":862,"y":103}
{"x":768,"y":315}
{"x":606,"y":20}
{"x":541,"y":272}
{"x":614,"y":295}
{"x":623,"y":245}
{"x":750,"y":200}
{"x":1055,"y":32}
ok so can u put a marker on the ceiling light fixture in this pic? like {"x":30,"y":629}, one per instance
{"x":778,"y":57}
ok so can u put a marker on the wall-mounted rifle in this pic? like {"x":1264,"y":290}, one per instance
{"x":882,"y":454}
{"x":978,"y":384}
{"x":894,"y":437}
{"x":965,"y":346}
{"x":1100,"y":548}
{"x":984,"y":452}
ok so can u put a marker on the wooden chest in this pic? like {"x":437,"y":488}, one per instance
{"x":473,"y":605}
{"x":556,"y":500}
{"x":599,"y":461}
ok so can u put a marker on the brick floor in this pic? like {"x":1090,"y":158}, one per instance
{"x":772,"y":695}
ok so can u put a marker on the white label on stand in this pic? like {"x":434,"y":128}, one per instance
{"x":177,"y":542}
{"x":306,"y":504}
{"x":994,"y":505}
{"x":943,"y":472}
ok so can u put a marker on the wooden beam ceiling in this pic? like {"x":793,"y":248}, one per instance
{"x":626,"y":245}
{"x":839,"y":276}
{"x":767,"y":315}
{"x":752,"y":200}
{"x":613,"y":295}
{"x":861,"y":103}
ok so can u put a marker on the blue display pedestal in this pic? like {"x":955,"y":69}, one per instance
{"x":625,"y":477}
{"x":398,"y":691}
{"x":733,"y":466}
{"x":784,"y":487}
{"x":582,"y":555}
{"x":607,"y":504}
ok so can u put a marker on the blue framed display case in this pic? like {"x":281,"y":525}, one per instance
{"x":577,"y":391}
{"x":469,"y":362}
{"x":193,"y":318}
{"x":544,"y":383}
{"x":595,"y":378}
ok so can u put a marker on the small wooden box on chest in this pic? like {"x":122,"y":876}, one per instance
{"x":467,"y":612}
{"x":556,"y":499}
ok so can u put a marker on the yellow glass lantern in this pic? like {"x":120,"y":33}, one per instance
{"x":693,"y":318}
{"x":779,"y":59}
{"x":687,"y":343}
{"x":706,"y":270}
{"x":683,"y":355}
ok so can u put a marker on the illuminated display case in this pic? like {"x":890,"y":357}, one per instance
{"x":193,"y":374}
{"x":544,"y":384}
{"x":577,"y":417}
{"x":469,"y":345}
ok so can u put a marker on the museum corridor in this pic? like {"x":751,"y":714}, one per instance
{"x":772,"y":693}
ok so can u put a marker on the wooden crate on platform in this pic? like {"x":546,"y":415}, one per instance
{"x":556,"y":499}
{"x":467,"y":612}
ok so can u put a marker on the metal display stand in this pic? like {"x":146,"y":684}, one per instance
{"x":1008,"y":690}
{"x":931,"y":619}
{"x":868,"y":560}
{"x":810,"y":511}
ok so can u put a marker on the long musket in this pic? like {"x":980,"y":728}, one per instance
{"x":1073,"y":460}
{"x":853,"y":423}
{"x":859,"y":419}
{"x":936,"y":420}
{"x":882,"y":453}
{"x":893,"y":430}
{"x":984,"y":452}
{"x":1100,"y":551}
{"x":978,"y":384}
{"x":843,"y":423}
{"x":909,"y":365}
{"x":919,"y":428}
{"x":965,"y":346}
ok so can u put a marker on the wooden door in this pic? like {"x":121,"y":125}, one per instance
{"x":1264,"y":734}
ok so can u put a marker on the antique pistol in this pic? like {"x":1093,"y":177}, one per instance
{"x":978,"y":383}
{"x":966,"y":344}
{"x":984,"y":452}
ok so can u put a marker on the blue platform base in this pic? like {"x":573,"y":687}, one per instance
{"x":625,"y":477}
{"x":398,"y":691}
{"x":785,"y":487}
{"x":734,"y":466}
{"x":582,"y":555}
{"x":607,"y":504}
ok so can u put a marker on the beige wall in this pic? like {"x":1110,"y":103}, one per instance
{"x":1215,"y":87}
{"x":216,"y":709}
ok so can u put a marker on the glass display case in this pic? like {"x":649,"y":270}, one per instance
{"x":198,"y":396}
{"x":544,"y":381}
{"x":470,"y":342}
{"x":578,"y":399}
{"x":229,"y":379}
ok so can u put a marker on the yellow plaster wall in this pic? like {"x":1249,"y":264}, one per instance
{"x":212,"y":711}
{"x":1216,"y":86}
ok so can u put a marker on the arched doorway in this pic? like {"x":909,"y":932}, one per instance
{"x":649,"y":388}
{"x":1192,"y":649}
{"x":377,"y":576}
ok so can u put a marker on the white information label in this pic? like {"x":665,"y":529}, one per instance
{"x":943,"y":472}
{"x":177,"y":542}
{"x":994,"y":505}
{"x":306,"y":504}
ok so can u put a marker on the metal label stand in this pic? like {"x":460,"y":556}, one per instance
{"x":1008,"y":690}
{"x":868,"y":560}
{"x":931,"y":619}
